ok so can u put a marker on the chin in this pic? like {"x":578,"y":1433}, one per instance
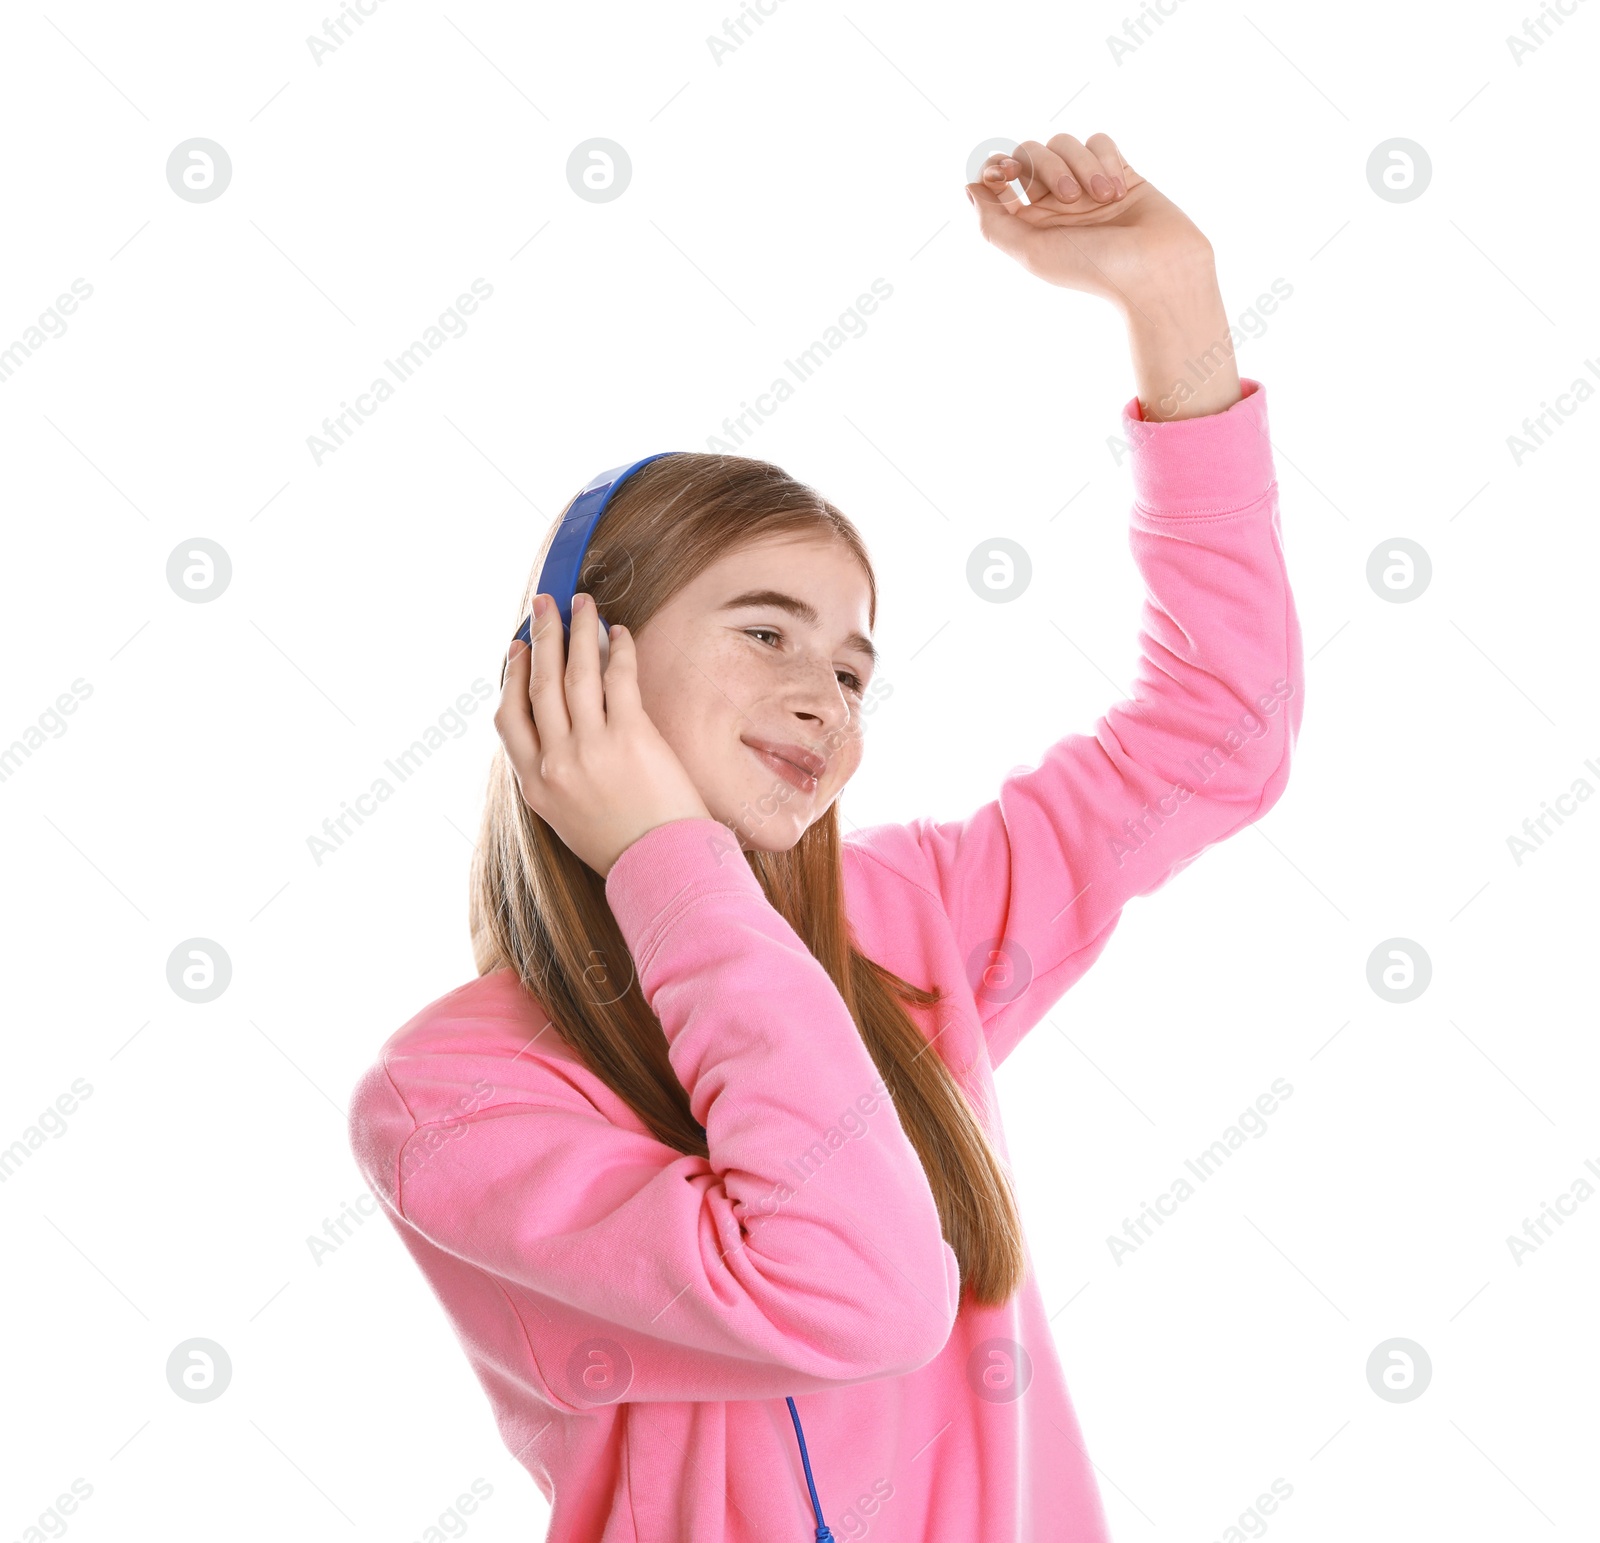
{"x":764,"y":831}
{"x":768,"y":839}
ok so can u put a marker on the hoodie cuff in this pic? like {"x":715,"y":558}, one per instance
{"x":1214,"y":464}
{"x":668,"y":870}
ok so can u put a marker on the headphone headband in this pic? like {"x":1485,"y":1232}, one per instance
{"x":563,"y":563}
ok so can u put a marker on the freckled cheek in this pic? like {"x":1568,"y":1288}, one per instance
{"x":847,"y":756}
{"x":731,"y":678}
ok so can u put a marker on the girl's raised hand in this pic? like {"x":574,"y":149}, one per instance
{"x":585,"y":754}
{"x":1091,"y":223}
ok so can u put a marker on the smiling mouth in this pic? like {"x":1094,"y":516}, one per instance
{"x":796,"y":776}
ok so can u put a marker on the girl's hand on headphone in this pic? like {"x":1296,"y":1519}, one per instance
{"x":585,"y":754}
{"x":1091,"y":223}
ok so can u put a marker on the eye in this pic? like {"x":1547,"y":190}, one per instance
{"x":850,"y":676}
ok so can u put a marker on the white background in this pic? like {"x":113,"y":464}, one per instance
{"x":370,"y":591}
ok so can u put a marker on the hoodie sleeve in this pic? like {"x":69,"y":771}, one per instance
{"x":1034,"y":882}
{"x":806,"y":1252}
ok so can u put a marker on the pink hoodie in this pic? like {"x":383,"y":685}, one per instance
{"x":637,"y":1316}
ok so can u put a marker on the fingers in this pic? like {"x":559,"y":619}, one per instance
{"x":1096,"y":164}
{"x":620,"y":677}
{"x":547,"y":690}
{"x":1117,"y":169}
{"x":1044,"y":173}
{"x":1080,"y":174}
{"x":999,"y":171}
{"x":583,"y":699}
{"x":513,"y":720}
{"x":543,"y":699}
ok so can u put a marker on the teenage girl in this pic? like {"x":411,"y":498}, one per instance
{"x":705,"y":1162}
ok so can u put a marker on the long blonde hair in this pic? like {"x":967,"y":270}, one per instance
{"x":537,"y":907}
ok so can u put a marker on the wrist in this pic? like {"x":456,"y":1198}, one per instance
{"x":1182,"y":344}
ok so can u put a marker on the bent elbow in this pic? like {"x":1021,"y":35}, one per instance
{"x":1271,"y":786}
{"x":913,"y":1350}
{"x":906,"y":1325}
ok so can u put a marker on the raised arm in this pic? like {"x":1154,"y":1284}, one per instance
{"x":1036,"y":880}
{"x":1200,"y":749}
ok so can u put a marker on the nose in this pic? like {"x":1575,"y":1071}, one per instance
{"x":815,"y":695}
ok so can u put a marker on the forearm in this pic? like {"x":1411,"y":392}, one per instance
{"x":1182,"y":346}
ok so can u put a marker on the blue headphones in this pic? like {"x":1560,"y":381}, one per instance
{"x":559,"y":579}
{"x":563,"y":563}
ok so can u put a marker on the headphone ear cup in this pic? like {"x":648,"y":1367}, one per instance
{"x":605,"y":645}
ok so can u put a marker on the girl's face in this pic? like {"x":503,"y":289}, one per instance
{"x":760,"y":661}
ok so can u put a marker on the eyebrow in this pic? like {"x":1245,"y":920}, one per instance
{"x":797,"y":607}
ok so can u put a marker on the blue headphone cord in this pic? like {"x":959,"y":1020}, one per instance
{"x":824,"y":1534}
